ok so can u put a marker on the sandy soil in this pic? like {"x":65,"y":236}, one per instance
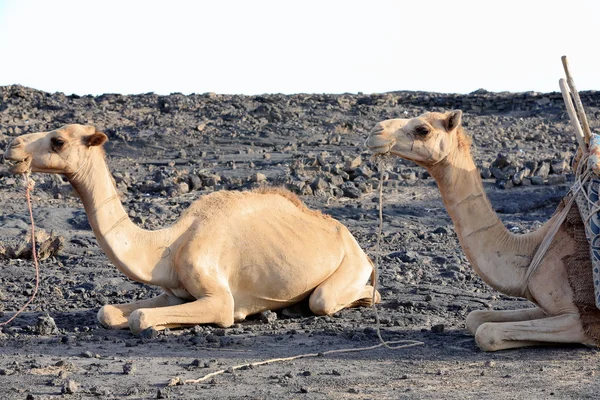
{"x":165,"y":151}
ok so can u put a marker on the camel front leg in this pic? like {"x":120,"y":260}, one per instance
{"x":214,"y":309}
{"x":493,"y":336}
{"x":478,"y":317}
{"x":345,"y":288}
{"x":116,"y":316}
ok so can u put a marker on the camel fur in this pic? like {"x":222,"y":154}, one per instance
{"x":501,"y":258}
{"x":230,"y":255}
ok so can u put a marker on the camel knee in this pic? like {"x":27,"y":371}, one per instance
{"x":486,"y":337}
{"x":320,"y":305}
{"x":474,"y":320}
{"x":112,"y":317}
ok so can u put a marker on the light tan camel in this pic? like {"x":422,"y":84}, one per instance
{"x":230,"y":255}
{"x":564,"y":314}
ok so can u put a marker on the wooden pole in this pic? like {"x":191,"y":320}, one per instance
{"x":572,"y":115}
{"x":578,"y":105}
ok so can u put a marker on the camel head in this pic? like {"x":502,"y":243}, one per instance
{"x":426,"y":139}
{"x":61,"y":151}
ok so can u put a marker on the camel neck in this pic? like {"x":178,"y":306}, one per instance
{"x":140,"y":254}
{"x":498,"y":256}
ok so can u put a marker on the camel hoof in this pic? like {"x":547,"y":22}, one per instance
{"x":111,"y":317}
{"x":474,"y":321}
{"x":486,"y":339}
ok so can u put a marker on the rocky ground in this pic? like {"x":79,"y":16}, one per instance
{"x":166,"y":151}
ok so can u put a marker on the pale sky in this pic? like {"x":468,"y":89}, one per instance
{"x":285,"y":46}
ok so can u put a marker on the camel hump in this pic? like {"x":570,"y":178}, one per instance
{"x":295,"y":200}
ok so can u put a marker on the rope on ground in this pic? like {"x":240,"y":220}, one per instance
{"x":178,"y":381}
{"x":29,"y":185}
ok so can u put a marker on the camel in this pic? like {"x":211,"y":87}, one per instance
{"x":231,"y":254}
{"x":561,"y":286}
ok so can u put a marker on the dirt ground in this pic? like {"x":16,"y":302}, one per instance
{"x":166,"y":151}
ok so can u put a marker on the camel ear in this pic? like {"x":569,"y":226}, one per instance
{"x":96,"y":139}
{"x":454,"y":120}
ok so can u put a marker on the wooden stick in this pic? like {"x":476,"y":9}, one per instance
{"x":572,"y":115}
{"x":577,"y":100}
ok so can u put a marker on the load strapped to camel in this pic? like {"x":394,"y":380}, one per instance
{"x":586,"y":189}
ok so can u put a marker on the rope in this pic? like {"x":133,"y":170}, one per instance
{"x":177,"y":381}
{"x":29,"y":185}
{"x":381,"y":168}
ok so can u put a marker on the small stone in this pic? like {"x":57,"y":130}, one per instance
{"x":353,"y":391}
{"x":149,"y":333}
{"x":87,"y":354}
{"x":485,"y":173}
{"x":46,"y":326}
{"x":268,"y":317}
{"x":303,"y":390}
{"x":195,"y":363}
{"x":319,"y":184}
{"x":351,"y":191}
{"x":175,"y":381}
{"x":543,"y":170}
{"x":129,"y":368}
{"x":306,"y":373}
{"x":557,"y":179}
{"x":502,"y":184}
{"x":70,"y":387}
{"x":490,"y":364}
{"x":258,"y":177}
{"x":439,"y":328}
{"x":183,"y":187}
{"x":162,"y":394}
{"x":201,"y":126}
{"x":404,"y":256}
{"x":559,"y":166}
{"x":408,"y":175}
{"x":352,"y":163}
{"x":195,"y":183}
{"x":364,"y":171}
{"x":537,"y":180}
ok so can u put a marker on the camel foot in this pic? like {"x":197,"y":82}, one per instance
{"x":494,"y":336}
{"x":366,"y":301}
{"x":138,"y":321}
{"x":112,"y":317}
{"x":478,"y":317}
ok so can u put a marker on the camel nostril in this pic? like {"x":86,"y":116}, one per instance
{"x":15,"y":143}
{"x":377,"y":129}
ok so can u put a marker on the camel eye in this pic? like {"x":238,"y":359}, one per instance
{"x":57,"y":143}
{"x":422,"y":131}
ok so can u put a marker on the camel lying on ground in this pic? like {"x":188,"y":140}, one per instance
{"x":561,"y":287}
{"x":230,"y":255}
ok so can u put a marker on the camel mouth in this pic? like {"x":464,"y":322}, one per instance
{"x":17,"y":166}
{"x":379,"y":146}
